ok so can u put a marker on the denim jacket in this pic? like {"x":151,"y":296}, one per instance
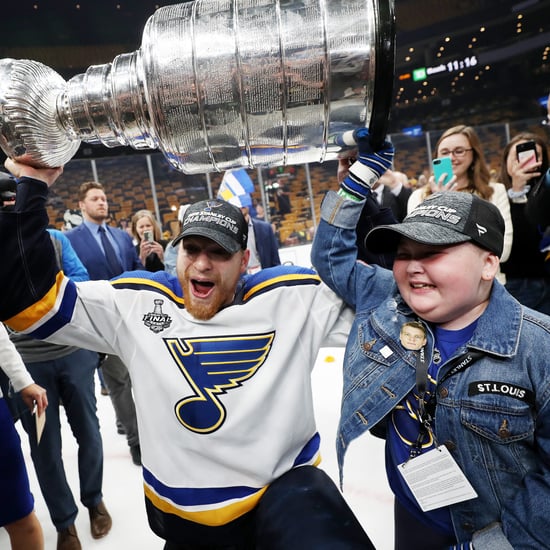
{"x":494,"y":416}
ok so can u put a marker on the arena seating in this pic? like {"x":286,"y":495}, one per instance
{"x":128,"y":183}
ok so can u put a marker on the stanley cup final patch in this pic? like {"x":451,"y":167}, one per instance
{"x":502,"y":388}
{"x":156,"y":320}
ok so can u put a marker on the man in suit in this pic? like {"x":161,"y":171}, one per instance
{"x":262,"y":243}
{"x":107,"y":252}
{"x":391,"y":192}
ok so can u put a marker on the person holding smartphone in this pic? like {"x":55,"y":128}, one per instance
{"x":524,"y":172}
{"x":471,"y":174}
{"x":150,"y":244}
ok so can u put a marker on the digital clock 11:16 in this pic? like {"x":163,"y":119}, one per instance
{"x":466,"y":63}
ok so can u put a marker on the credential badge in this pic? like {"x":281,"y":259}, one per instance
{"x":156,"y":320}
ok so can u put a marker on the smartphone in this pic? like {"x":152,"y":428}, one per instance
{"x":527,"y":150}
{"x":148,"y":236}
{"x":443,"y":165}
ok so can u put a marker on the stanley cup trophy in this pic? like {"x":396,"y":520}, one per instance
{"x":215,"y":85}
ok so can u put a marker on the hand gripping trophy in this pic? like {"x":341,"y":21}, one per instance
{"x":215,"y":85}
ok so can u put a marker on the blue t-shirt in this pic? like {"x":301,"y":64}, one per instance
{"x":404,"y":429}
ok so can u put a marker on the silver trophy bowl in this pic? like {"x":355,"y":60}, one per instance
{"x":215,"y":85}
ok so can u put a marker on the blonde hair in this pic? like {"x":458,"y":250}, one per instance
{"x":157,"y":235}
{"x":414,"y":324}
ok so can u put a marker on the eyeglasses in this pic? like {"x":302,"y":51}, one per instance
{"x":457,"y":152}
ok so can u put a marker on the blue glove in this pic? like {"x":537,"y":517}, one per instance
{"x":368,"y":167}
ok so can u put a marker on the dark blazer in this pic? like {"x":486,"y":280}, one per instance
{"x":266,"y":243}
{"x":92,"y":256}
{"x":538,"y":203}
{"x":398,"y":204}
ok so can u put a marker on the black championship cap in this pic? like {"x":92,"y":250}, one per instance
{"x":217,"y":220}
{"x":446,"y":218}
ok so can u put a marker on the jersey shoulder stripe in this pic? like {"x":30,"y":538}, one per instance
{"x":62,"y":313}
{"x":169,"y":288}
{"x":276,"y":277}
{"x":54,"y":307}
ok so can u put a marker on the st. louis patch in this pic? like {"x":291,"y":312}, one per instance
{"x":501,"y":388}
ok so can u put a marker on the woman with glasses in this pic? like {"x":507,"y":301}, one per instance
{"x":470,"y":174}
{"x":527,"y":182}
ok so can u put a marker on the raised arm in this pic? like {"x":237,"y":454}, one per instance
{"x":334,"y":253}
{"x":29,"y":273}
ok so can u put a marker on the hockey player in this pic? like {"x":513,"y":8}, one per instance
{"x":220,"y":365}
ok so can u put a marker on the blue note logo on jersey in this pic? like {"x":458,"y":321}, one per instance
{"x":213,"y":366}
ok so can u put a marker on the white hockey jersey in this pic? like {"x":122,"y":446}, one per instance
{"x":224,"y":406}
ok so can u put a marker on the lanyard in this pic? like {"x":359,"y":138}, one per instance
{"x":426,"y":414}
{"x":462,"y":362}
{"x":421,"y":385}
